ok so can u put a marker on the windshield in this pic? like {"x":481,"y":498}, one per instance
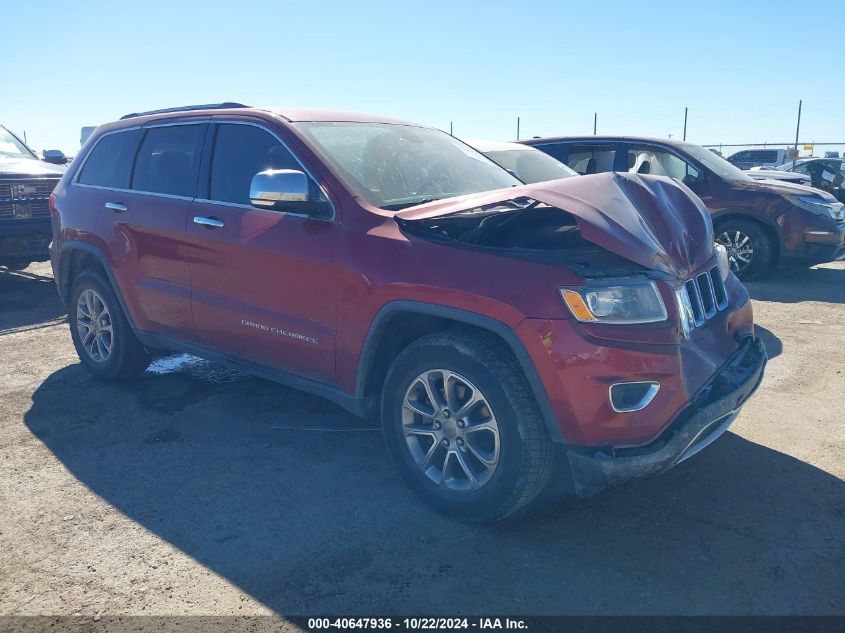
{"x":531,"y":165}
{"x":396,"y":166}
{"x":10,"y":147}
{"x":716,"y":164}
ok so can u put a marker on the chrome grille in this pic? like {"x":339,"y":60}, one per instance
{"x":707,"y":295}
{"x":24,"y":199}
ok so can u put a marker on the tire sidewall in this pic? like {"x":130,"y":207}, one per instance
{"x":111,"y":368}
{"x":486,"y":501}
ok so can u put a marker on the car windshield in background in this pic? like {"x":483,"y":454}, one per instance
{"x":716,"y":164}
{"x":396,"y":166}
{"x":531,"y":165}
{"x":10,"y":147}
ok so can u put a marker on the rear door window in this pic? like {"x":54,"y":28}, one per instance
{"x":168,"y":160}
{"x":591,"y":158}
{"x":110,"y":162}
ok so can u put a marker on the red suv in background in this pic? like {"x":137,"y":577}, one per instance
{"x":511,"y":338}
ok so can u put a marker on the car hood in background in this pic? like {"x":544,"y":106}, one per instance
{"x":650,"y":220}
{"x":783,"y":188}
{"x":773,"y":174}
{"x":15,"y":167}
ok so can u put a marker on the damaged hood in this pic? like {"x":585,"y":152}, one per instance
{"x":651,"y":220}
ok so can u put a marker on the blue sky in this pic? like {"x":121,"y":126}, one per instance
{"x":740,"y":67}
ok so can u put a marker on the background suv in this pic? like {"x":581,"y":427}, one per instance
{"x":513,"y":339}
{"x":760,"y":223}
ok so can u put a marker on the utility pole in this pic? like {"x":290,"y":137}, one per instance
{"x":797,"y":131}
{"x":595,"y":122}
{"x":686,"y":110}
{"x":517,"y":128}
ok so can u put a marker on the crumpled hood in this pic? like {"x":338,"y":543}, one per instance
{"x":10,"y":167}
{"x":653,"y":221}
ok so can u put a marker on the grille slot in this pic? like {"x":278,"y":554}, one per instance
{"x":707,"y":295}
{"x":22,"y":199}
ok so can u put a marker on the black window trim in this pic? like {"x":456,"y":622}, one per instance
{"x":207,"y":166}
{"x":147,"y":126}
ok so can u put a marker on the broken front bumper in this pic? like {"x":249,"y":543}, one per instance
{"x":699,"y":424}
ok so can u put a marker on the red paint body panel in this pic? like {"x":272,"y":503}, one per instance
{"x":270,"y":270}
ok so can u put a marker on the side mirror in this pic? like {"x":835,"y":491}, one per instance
{"x":279,"y":189}
{"x":55,"y":156}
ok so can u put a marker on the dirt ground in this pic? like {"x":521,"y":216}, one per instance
{"x":197,"y":490}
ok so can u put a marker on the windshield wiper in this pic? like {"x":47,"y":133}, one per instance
{"x":404,"y":205}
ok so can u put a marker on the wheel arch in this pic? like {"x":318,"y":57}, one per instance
{"x":383,"y":342}
{"x":76,"y":256}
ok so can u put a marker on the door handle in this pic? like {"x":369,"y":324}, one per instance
{"x":212,"y":223}
{"x":117,"y":207}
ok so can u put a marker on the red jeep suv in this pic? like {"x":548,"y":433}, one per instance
{"x":513,"y":339}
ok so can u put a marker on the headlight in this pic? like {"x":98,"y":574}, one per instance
{"x":636,"y":302}
{"x":722,"y":257}
{"x":817,"y":206}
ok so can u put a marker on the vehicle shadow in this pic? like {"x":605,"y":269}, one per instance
{"x":793,"y":284}
{"x":28,"y":299}
{"x":773,"y":344}
{"x":226,"y":469}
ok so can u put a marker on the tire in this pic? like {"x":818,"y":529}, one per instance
{"x":126,"y":356}
{"x":17,"y":265}
{"x":738,"y":235}
{"x":525,"y":455}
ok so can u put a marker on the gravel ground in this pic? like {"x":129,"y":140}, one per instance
{"x":197,"y":490}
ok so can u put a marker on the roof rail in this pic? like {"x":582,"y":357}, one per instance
{"x":207,"y":106}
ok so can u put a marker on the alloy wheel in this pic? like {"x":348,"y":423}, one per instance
{"x":450,"y":430}
{"x":740,"y":249}
{"x":94,"y":325}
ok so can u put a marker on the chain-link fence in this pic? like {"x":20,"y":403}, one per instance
{"x":726,"y":128}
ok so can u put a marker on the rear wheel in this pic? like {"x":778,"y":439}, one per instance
{"x":463,"y":428}
{"x":751,"y":250}
{"x":103,"y":338}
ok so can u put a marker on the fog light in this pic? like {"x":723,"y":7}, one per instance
{"x":626,"y":397}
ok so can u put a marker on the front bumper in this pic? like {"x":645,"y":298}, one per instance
{"x":700,"y":423}
{"x":25,"y":240}
{"x":819,"y":246}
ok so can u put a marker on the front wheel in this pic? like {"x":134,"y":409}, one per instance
{"x":751,"y":250}
{"x":463,"y":428}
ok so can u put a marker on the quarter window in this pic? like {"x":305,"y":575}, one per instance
{"x":240,"y":152}
{"x":168,"y":160}
{"x":110,"y":162}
